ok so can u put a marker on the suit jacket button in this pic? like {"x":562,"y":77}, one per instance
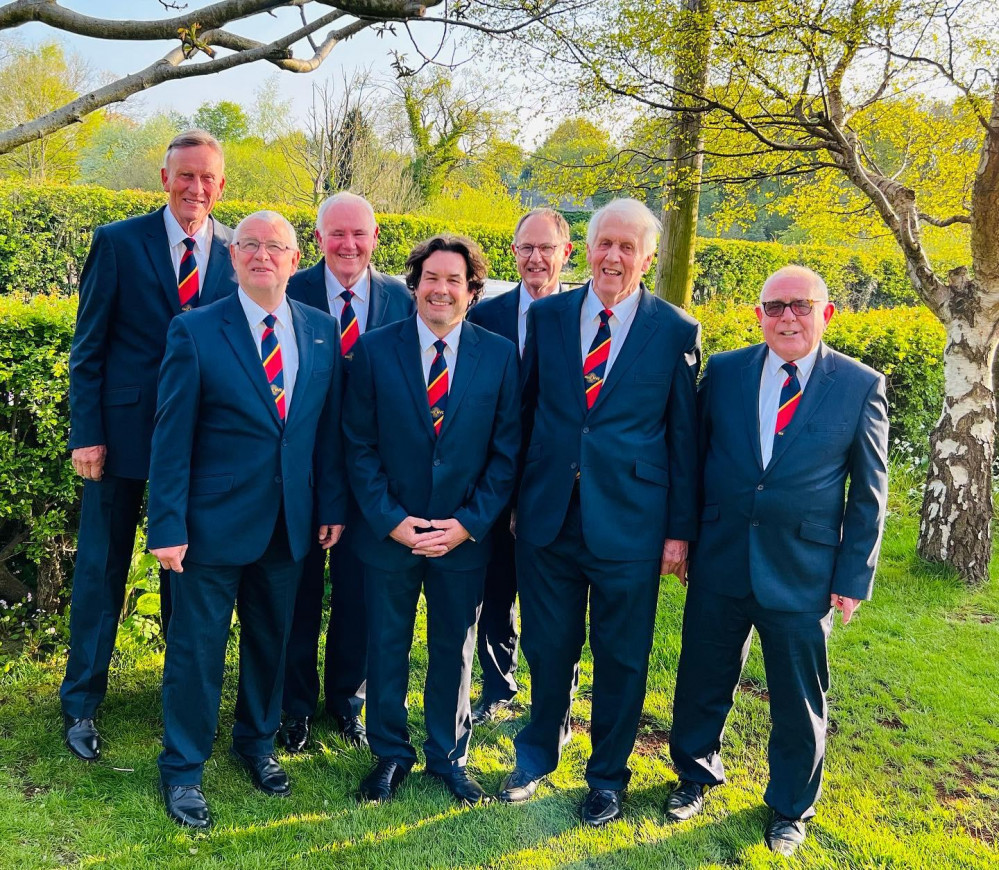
{"x":756,"y":522}
{"x":586,"y":430}
{"x":759,"y":488}
{"x":437,"y":462}
{"x":284,"y":443}
{"x":277,"y":478}
{"x":573,"y":466}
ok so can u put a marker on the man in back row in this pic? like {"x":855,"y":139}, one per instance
{"x":361,"y":298}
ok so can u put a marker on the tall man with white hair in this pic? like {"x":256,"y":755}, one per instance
{"x":607,"y":500}
{"x":361,"y":298}
{"x":781,"y":544}
{"x":139,"y":275}
{"x":248,"y":388}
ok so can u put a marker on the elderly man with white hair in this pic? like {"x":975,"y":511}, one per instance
{"x":607,"y":501}
{"x":248,"y":387}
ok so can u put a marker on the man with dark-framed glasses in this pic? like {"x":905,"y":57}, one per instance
{"x":780,"y":546}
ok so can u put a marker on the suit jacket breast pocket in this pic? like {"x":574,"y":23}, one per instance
{"x":122,"y":396}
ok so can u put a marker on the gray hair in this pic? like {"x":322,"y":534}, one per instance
{"x":814,"y":278}
{"x":193,"y":139}
{"x":561,"y":224}
{"x":343,"y":196}
{"x":630,"y":211}
{"x":272,"y":217}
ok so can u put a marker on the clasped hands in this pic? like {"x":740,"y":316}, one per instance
{"x":443,"y":537}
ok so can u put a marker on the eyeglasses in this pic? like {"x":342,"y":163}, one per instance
{"x":251,"y":246}
{"x":800,"y":307}
{"x":525,"y":251}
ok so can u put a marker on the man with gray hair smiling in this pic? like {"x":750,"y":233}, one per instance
{"x":607,"y":500}
{"x":247,"y":389}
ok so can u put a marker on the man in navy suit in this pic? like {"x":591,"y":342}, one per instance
{"x":248,"y":388}
{"x":607,"y":500}
{"x":542,"y":247}
{"x":781,"y":545}
{"x":361,"y":298}
{"x":432,"y":431}
{"x":140,"y":273}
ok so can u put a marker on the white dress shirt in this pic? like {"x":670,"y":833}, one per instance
{"x":359,"y":303}
{"x":622,"y":316}
{"x":771,"y":382}
{"x":285,"y":333}
{"x":202,"y":245}
{"x":525,"y":302}
{"x":428,"y":351}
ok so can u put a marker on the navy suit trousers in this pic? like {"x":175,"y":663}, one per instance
{"x":497,"y":640}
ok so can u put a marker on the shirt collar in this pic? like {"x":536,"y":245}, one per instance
{"x":255,"y":314}
{"x":427,"y":338}
{"x":805,"y":364}
{"x":335,"y":288}
{"x":592,"y":306}
{"x":176,"y":235}
{"x":526,"y":298}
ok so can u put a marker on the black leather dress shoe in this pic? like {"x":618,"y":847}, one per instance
{"x":518,"y":786}
{"x":81,"y":737}
{"x":685,"y":801}
{"x":266,"y":773}
{"x":602,"y":805}
{"x":351,"y":728}
{"x":464,"y":789}
{"x":294,"y":733}
{"x":383,"y":781}
{"x":186,"y":805}
{"x":487,"y":708}
{"x":784,"y":835}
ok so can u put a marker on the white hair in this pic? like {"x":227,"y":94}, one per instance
{"x":337,"y":198}
{"x":814,"y":279}
{"x":273,"y":218}
{"x":631,"y":211}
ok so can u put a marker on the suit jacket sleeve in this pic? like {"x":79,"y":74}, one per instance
{"x":179,"y":395}
{"x":331,"y":475}
{"x":89,"y":349}
{"x":494,"y":487}
{"x":368,"y":479}
{"x":681,"y":441}
{"x":864,"y":517}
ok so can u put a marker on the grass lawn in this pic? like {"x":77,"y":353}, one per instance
{"x":912,"y":778}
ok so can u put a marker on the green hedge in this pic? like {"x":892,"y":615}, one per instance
{"x":45,"y":233}
{"x":906,"y":344}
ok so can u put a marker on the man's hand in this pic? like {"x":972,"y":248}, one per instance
{"x":844,"y":604}
{"x":453,"y":534}
{"x":675,"y":559}
{"x":329,"y":535}
{"x":406,"y":533}
{"x":171,"y":558}
{"x":88,"y":462}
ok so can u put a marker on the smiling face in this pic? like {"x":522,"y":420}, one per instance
{"x":347,"y":236}
{"x":442,"y":296}
{"x":264,"y":275}
{"x":792,"y":336}
{"x":617,"y":259}
{"x":540,"y":273}
{"x":194,"y":179}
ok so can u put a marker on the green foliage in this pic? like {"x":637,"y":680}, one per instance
{"x":905,"y":344}
{"x":225,"y":120}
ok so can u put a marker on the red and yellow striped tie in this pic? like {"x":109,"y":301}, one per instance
{"x":790,"y":395}
{"x":595,"y":363}
{"x":187,"y":277}
{"x":270,"y":352}
{"x":349,"y":329}
{"x":437,"y":387}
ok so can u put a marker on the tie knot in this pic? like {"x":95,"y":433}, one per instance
{"x":189,"y":244}
{"x":269,"y":321}
{"x":605,"y":316}
{"x":440,"y":344}
{"x":346,"y":296}
{"x":790,"y":368}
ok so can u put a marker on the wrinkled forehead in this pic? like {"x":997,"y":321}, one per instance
{"x":347,"y":216}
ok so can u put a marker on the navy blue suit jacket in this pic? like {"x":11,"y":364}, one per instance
{"x":398,"y":468}
{"x":389,"y":299}
{"x":222,"y":462}
{"x":500,"y":314}
{"x":128,"y":296}
{"x":635,"y":450}
{"x":789,"y":533}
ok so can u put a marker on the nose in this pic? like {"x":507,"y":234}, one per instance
{"x":788,"y":315}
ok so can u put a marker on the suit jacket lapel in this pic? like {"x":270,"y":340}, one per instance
{"x":217,"y":260}
{"x":376,"y":299}
{"x":642,"y":329}
{"x":305,"y":338}
{"x":158,"y":248}
{"x":752,"y":372}
{"x":571,"y":350}
{"x":411,"y":364}
{"x":237,"y":333}
{"x":819,"y":382}
{"x":513,"y":316}
{"x":466,"y":363}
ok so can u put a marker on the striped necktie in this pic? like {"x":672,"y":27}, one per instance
{"x":349,"y":329}
{"x":270,"y":351}
{"x":790,"y":395}
{"x":595,"y":363}
{"x":187,"y":277}
{"x":437,"y":387}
